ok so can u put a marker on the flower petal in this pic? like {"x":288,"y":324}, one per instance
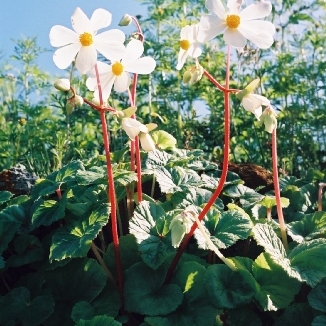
{"x":112,"y":50}
{"x":146,"y":142}
{"x":112,"y":36}
{"x":64,"y":56}
{"x":86,"y":59}
{"x":134,"y":50}
{"x":131,"y":127}
{"x":216,"y":7}
{"x":101,"y":18}
{"x":256,"y":11}
{"x":122,"y":82}
{"x":143,"y":66}
{"x":234,"y":6}
{"x":80,"y":22}
{"x":61,"y":36}
{"x":106,"y":85}
{"x":182,"y":57}
{"x":210,"y":26}
{"x":234,"y":37}
{"x":263,"y":100}
{"x":261,"y":36}
{"x":195,"y":50}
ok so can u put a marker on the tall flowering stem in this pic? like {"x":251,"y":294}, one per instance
{"x":111,"y":190}
{"x":277,"y":191}
{"x":134,"y":145}
{"x":227,"y":124}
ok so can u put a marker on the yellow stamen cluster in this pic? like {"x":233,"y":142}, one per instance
{"x":184,"y":44}
{"x":117,"y":68}
{"x":86,"y":39}
{"x":233,"y":21}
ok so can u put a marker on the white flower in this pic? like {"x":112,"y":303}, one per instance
{"x":238,"y":26}
{"x":189,"y":44}
{"x":117,"y":73}
{"x":179,"y":227}
{"x":84,"y":41}
{"x":268,"y":118}
{"x":133,"y":128}
{"x":252,"y":102}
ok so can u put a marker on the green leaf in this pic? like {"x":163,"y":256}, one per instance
{"x":129,"y":253}
{"x":267,"y":238}
{"x":28,"y":248}
{"x":5,"y":196}
{"x":48,"y":212}
{"x":190,"y":277}
{"x":269,"y":202}
{"x":296,"y":314}
{"x":157,"y":158}
{"x":75,"y":238}
{"x":79,"y":280}
{"x":319,"y":321}
{"x":309,"y":227}
{"x":94,"y":175}
{"x":243,"y":317}
{"x":99,"y":321}
{"x":247,"y":196}
{"x":309,"y":260}
{"x":67,"y":173}
{"x":225,"y":228}
{"x":176,"y":179}
{"x":10,"y":221}
{"x":148,"y":226}
{"x":276,"y":288}
{"x":229,"y":289}
{"x":163,"y":140}
{"x":17,"y":307}
{"x":145,"y":293}
{"x":317,"y":296}
{"x":82,"y":310}
{"x":194,"y":196}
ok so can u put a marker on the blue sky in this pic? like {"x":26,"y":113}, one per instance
{"x":36,"y":17}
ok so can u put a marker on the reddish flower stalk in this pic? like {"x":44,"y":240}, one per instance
{"x":134,"y":145}
{"x":220,"y":186}
{"x":111,"y":190}
{"x":277,"y":192}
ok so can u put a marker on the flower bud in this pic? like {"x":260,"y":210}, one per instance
{"x":62,"y":84}
{"x":78,"y":100}
{"x":268,"y":118}
{"x":70,"y":107}
{"x":193,"y":75}
{"x":125,"y":20}
{"x":22,"y":121}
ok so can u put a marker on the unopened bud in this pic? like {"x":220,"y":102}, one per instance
{"x":193,"y":75}
{"x":268,"y":118}
{"x":22,"y":121}
{"x":62,"y":85}
{"x":125,"y":20}
{"x":78,"y":100}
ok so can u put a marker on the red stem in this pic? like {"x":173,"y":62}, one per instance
{"x":220,"y":186}
{"x":111,"y":190}
{"x":320,"y":196}
{"x":277,"y":192}
{"x":138,"y":163}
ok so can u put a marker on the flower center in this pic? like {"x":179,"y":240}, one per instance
{"x":233,"y":21}
{"x":86,"y":39}
{"x":117,"y":68}
{"x":184,"y":44}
